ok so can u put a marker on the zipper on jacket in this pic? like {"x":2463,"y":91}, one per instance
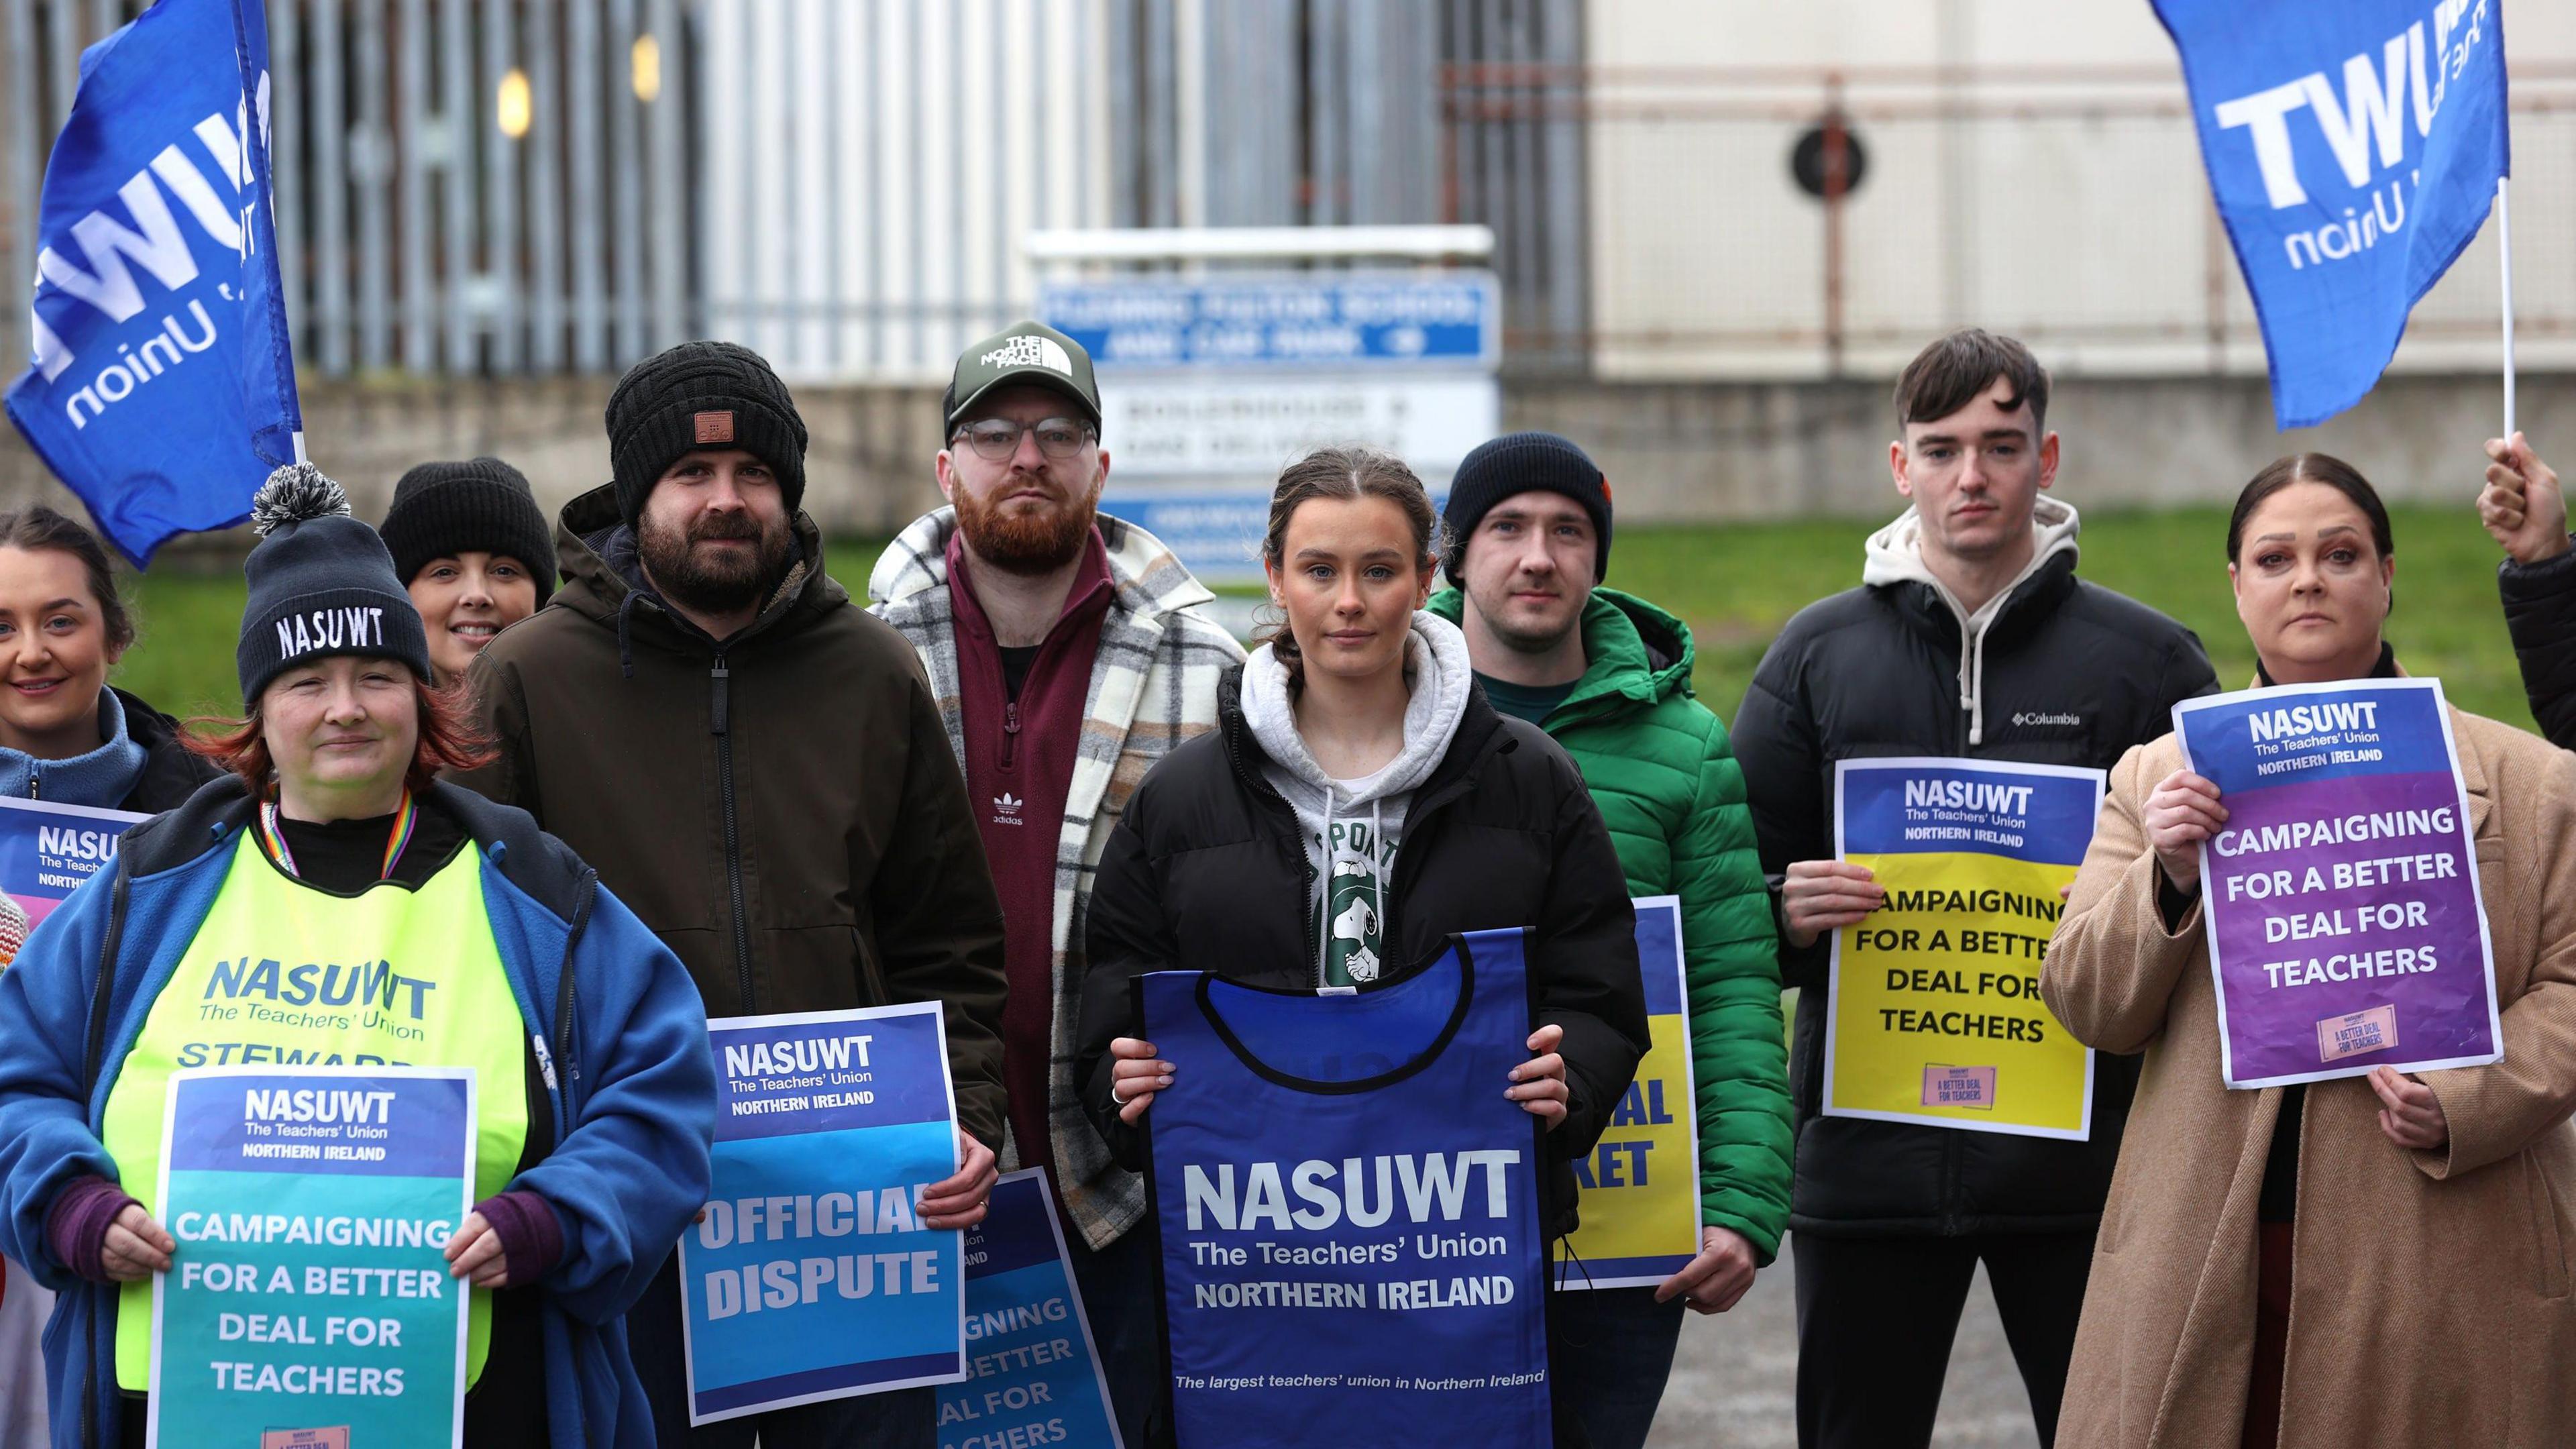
{"x":1010,"y":732}
{"x":1263,"y":790}
{"x":720,"y":722}
{"x":568,"y":1064}
{"x":96,"y":1063}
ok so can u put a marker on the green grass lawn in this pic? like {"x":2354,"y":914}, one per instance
{"x":1735,"y":584}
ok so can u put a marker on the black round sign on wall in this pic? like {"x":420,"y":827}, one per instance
{"x":1807,"y":160}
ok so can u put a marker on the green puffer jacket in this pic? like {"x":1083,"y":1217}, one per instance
{"x":1666,"y":781}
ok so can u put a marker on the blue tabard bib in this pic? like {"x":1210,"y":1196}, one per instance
{"x":1352,"y":1249}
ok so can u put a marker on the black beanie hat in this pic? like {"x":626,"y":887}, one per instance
{"x":1524,"y":463}
{"x":321,"y":584}
{"x":701,"y":395}
{"x":443,"y":509}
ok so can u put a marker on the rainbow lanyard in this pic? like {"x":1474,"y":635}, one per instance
{"x":406,"y":816}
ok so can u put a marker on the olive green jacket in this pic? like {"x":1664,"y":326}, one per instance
{"x":1666,"y":782}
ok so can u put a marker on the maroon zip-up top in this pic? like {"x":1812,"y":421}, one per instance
{"x":1020,"y":753}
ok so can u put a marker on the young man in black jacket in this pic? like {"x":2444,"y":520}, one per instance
{"x":1970,"y":636}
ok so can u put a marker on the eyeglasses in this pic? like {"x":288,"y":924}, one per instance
{"x":995,"y":440}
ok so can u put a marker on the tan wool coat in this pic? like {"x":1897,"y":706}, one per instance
{"x":2429,"y":1302}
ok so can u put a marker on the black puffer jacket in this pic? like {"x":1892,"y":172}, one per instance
{"x":2068,"y":673}
{"x":2540,"y":612}
{"x":1206,"y":868}
{"x":171,"y":771}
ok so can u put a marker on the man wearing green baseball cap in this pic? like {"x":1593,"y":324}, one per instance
{"x":1054,"y":636}
{"x":1025,"y":354}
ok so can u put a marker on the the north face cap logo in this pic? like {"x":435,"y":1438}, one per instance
{"x":715,"y":427}
{"x":1043,"y":352}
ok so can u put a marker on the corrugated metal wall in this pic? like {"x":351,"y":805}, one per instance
{"x":503,"y":187}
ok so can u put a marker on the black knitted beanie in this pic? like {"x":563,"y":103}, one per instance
{"x":443,"y":509}
{"x":1523,"y":463}
{"x":701,"y":395}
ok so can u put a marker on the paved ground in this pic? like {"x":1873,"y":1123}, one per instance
{"x":1734,"y":1379}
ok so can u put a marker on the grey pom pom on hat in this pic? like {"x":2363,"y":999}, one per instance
{"x":321,"y":584}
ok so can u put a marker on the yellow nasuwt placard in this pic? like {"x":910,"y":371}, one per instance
{"x":1935,"y":1014}
{"x":1932,"y":1013}
{"x":1638,"y":1190}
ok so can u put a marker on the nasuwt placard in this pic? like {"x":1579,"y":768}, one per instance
{"x":2346,"y":931}
{"x":1352,"y":1250}
{"x":310,"y":1291}
{"x":810,"y":1275}
{"x":1032,"y":1369}
{"x":1639,"y":1186}
{"x":1934,"y":1014}
{"x":48,"y":849}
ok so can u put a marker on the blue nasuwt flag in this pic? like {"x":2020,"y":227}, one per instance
{"x":2354,"y":147}
{"x":162,"y":388}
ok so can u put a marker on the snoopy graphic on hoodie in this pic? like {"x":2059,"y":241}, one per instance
{"x":1356,"y":932}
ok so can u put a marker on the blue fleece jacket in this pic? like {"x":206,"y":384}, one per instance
{"x":618,"y":1025}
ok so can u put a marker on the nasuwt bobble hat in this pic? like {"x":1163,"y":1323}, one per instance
{"x":1523,"y":463}
{"x":483,"y":505}
{"x":321,"y":584}
{"x":701,"y":395}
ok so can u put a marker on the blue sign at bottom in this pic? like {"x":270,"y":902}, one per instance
{"x":1033,"y":1372}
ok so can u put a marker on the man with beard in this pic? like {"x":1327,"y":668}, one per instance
{"x":758,"y":767}
{"x":1068,"y":653}
{"x":1608,"y":676}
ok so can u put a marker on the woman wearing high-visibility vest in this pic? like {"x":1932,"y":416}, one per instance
{"x":330,"y":836}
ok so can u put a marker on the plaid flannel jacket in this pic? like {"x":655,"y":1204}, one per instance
{"x":1153,"y":685}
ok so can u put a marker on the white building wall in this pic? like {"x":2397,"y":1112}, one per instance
{"x":2074,"y":218}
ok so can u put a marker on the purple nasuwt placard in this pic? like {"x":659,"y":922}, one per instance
{"x":2341,"y":897}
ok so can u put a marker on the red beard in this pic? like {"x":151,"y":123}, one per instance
{"x":1026,"y":541}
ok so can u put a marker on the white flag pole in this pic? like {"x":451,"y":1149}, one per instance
{"x":2504,"y":239}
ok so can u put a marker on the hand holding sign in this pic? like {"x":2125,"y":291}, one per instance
{"x":136,"y":1246}
{"x":1135,"y":1076}
{"x":2521,"y":506}
{"x":1539,"y":1083}
{"x":474,"y":1252}
{"x":1817,"y":896}
{"x":2409,"y":1112}
{"x":1717,"y":1279}
{"x":958,"y":1200}
{"x":2182,"y":811}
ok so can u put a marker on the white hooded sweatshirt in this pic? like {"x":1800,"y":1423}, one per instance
{"x":1351,"y":828}
{"x":1894,"y":555}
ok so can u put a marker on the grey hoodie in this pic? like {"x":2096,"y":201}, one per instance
{"x":1352,"y":827}
{"x":1894,"y":555}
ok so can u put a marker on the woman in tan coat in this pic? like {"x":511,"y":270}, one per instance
{"x":2427,"y":1217}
